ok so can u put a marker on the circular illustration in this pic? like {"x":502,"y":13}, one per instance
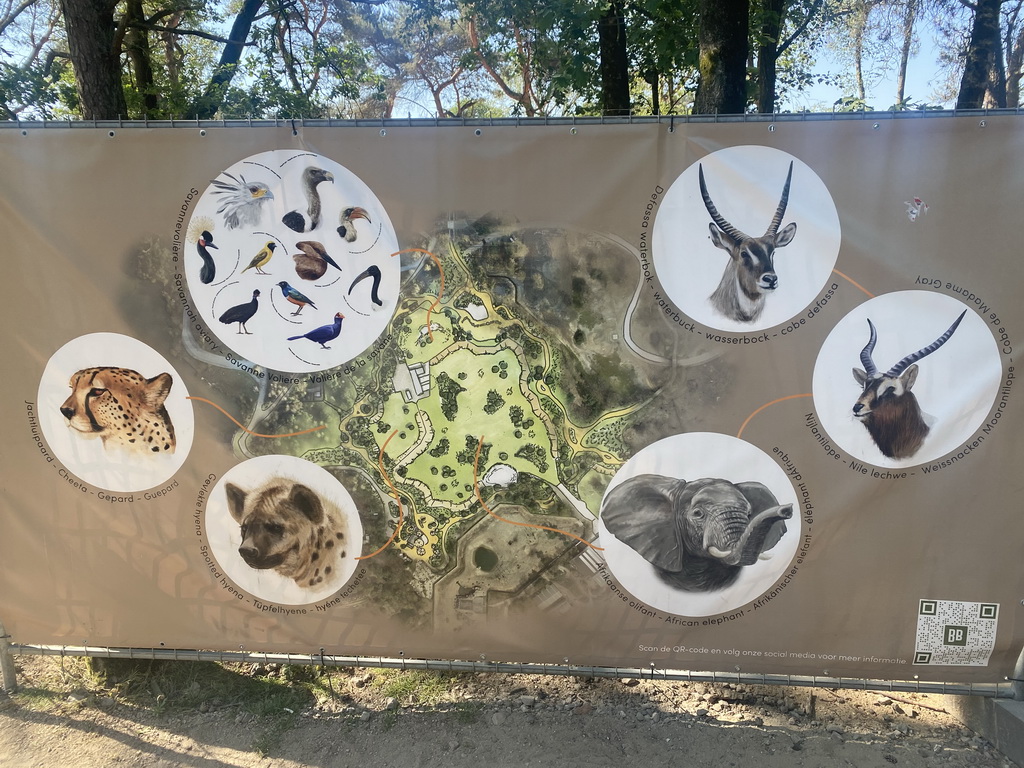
{"x":745,"y":238}
{"x":905,"y":378}
{"x":289,"y":261}
{"x":699,"y":524}
{"x":115,"y":412}
{"x":284,"y":529}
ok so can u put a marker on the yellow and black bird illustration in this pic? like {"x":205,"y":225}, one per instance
{"x":242,"y":313}
{"x":242,"y":201}
{"x":347,"y":228}
{"x":310,"y":220}
{"x":312,"y":263}
{"x":260,"y":259}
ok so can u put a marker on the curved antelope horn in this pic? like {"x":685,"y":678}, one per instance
{"x":783,"y":202}
{"x":865,"y":354}
{"x":897,"y":369}
{"x":718,"y":218}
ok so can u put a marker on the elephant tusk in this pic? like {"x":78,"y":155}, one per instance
{"x":719,"y":553}
{"x":766,"y":556}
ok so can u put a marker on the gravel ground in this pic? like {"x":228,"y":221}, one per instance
{"x":67,"y":715}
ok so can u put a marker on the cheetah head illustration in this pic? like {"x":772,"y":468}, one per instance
{"x":123,"y":408}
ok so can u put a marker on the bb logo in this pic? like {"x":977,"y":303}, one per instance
{"x":952,"y":635}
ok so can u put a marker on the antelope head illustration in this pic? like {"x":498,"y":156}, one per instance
{"x":886,"y":407}
{"x":750,"y":274}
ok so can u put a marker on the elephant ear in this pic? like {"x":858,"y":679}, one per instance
{"x":641,"y":513}
{"x":760,"y":499}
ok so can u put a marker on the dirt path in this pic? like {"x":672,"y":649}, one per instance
{"x":64,"y":716}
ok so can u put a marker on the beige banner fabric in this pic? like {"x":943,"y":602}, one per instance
{"x":714,"y":396}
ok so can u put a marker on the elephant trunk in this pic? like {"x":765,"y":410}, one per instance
{"x":747,"y":539}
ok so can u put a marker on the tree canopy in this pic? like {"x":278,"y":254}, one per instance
{"x":159,"y":59}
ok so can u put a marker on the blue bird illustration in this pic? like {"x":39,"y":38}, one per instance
{"x":324,"y":333}
{"x":295,"y":297}
{"x":371,"y":271}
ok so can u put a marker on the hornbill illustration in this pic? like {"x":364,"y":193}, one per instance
{"x":312,"y":263}
{"x":242,"y":313}
{"x":324,"y":333}
{"x":242,"y":202}
{"x":347,"y":228}
{"x":305,"y":222}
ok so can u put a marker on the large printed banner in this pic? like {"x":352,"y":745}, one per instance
{"x":736,"y":397}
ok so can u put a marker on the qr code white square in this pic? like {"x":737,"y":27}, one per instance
{"x":952,"y":633}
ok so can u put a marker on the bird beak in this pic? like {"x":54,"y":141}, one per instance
{"x":210,"y":245}
{"x":360,"y":213}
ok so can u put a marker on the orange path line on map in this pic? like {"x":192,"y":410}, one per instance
{"x":854,"y":283}
{"x":766,"y":405}
{"x":398,"y":525}
{"x":246,"y":429}
{"x":440,"y":289}
{"x":476,"y":488}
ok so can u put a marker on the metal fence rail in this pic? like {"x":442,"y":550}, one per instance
{"x":398,"y":122}
{"x":319,"y":658}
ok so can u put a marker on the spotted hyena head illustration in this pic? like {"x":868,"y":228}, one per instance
{"x":288,"y":527}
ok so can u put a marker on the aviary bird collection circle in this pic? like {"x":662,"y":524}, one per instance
{"x":290,"y":261}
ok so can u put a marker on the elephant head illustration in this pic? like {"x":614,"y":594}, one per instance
{"x":698,"y":535}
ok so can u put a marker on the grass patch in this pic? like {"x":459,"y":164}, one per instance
{"x":418,"y":686}
{"x":160,"y":687}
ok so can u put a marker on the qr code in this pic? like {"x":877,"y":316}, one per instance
{"x":955,"y":634}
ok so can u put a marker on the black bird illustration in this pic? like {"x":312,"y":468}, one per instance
{"x":296,"y":220}
{"x":371,"y":271}
{"x":348,"y":228}
{"x":312,"y":262}
{"x":209,"y":269}
{"x":242,"y":313}
{"x":324,"y":333}
{"x":242,"y":201}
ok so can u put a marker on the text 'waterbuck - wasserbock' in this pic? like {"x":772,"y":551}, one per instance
{"x":886,"y":407}
{"x":750,"y":274}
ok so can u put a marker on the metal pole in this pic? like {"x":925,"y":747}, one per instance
{"x":1018,"y":678}
{"x":7,"y":662}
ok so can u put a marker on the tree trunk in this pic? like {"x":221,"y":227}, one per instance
{"x":723,"y":57}
{"x":773,"y":13}
{"x":614,"y":60}
{"x":909,"y":19}
{"x":1014,"y":63}
{"x":859,"y":26}
{"x":984,"y":79}
{"x":91,"y":32}
{"x":206,"y":106}
{"x":137,"y":47}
